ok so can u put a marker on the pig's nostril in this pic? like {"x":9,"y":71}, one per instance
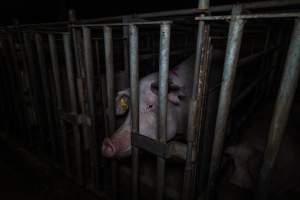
{"x":108,"y":149}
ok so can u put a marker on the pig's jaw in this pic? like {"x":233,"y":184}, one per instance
{"x":119,"y":145}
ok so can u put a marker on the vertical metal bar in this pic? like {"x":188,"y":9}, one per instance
{"x":89,"y":65}
{"x":73,"y":101}
{"x":192,"y":120}
{"x":59,"y":104}
{"x":203,"y":4}
{"x":108,"y":45}
{"x":18,"y":87}
{"x":78,"y":47}
{"x":45,"y":86}
{"x":192,"y":110}
{"x":164,"y":51}
{"x":134,"y":94}
{"x":125,"y":47}
{"x":282,"y":108}
{"x":198,"y":98}
{"x":230,"y":64}
{"x":33,"y":84}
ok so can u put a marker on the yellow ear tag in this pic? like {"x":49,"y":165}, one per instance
{"x":123,"y":104}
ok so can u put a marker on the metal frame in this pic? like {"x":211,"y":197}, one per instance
{"x":78,"y":40}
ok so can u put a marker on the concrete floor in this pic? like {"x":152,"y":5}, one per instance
{"x":18,"y":180}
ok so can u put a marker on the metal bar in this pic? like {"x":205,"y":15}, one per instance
{"x":165,"y":34}
{"x":45,"y":86}
{"x":18,"y":86}
{"x":230,"y":65}
{"x":125,"y":47}
{"x":192,"y":124}
{"x":282,"y":108}
{"x":191,"y":11}
{"x":59,"y":104}
{"x":134,"y":96}
{"x":121,"y":24}
{"x":78,"y":47}
{"x":108,"y":45}
{"x":197,"y":110}
{"x":252,"y":16}
{"x":89,"y":65}
{"x":33,"y":83}
{"x":73,"y":101}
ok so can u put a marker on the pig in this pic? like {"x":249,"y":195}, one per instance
{"x":180,"y":85}
{"x":247,"y":157}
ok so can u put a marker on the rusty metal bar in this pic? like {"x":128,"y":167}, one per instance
{"x":45,"y":86}
{"x":59,"y":104}
{"x":73,"y":101}
{"x":108,"y":45}
{"x":134,"y":96}
{"x":165,"y":34}
{"x":230,"y":65}
{"x":89,"y":66}
{"x":198,"y":82}
{"x":282,"y":108}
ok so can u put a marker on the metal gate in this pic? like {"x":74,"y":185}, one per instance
{"x":59,"y":83}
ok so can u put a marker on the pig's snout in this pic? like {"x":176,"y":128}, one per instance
{"x":108,"y":148}
{"x":118,"y":145}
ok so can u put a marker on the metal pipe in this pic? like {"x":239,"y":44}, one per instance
{"x":89,"y":68}
{"x":125,"y":47}
{"x":230,"y":65}
{"x":19,"y":90}
{"x":165,"y":34}
{"x":194,"y":104}
{"x":57,"y":84}
{"x":78,"y":47}
{"x":282,"y":108}
{"x":45,"y":86}
{"x":73,"y":101}
{"x":108,"y":47}
{"x":252,"y":16}
{"x":33,"y":82}
{"x":134,"y":96}
{"x":121,"y":24}
{"x":191,"y":11}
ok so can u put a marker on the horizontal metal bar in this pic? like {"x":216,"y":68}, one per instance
{"x":122,"y":24}
{"x":253,"y":16}
{"x":190,"y":11}
{"x":150,"y":145}
{"x":171,"y":149}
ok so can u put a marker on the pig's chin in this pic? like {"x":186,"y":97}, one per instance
{"x":124,"y":153}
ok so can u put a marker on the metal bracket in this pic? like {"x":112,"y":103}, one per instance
{"x":171,"y":149}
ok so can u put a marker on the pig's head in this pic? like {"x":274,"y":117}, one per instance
{"x":119,"y":144}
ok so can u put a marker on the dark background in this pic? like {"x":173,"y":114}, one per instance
{"x":34,"y":11}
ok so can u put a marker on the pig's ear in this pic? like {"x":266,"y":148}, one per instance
{"x":122,"y":102}
{"x":175,"y":92}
